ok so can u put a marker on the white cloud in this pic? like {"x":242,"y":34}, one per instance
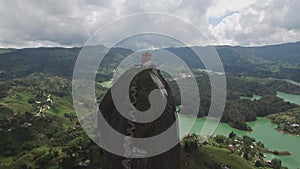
{"x":220,"y":7}
{"x":69,"y":23}
{"x":260,"y":23}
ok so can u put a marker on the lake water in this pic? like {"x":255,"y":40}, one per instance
{"x":264,"y":131}
{"x":287,"y":80}
{"x":254,"y":97}
{"x":293,"y":98}
{"x":293,"y":82}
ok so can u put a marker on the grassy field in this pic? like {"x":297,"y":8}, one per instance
{"x":223,"y":156}
{"x":2,"y":51}
{"x":207,"y":157}
{"x":18,"y":102}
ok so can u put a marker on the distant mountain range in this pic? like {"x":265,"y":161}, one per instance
{"x":278,"y":61}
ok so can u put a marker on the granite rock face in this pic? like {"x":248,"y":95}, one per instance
{"x":141,"y":86}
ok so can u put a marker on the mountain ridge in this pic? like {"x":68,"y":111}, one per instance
{"x":278,"y":61}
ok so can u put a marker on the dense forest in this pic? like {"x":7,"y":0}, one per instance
{"x":39,"y":128}
{"x":245,"y":75}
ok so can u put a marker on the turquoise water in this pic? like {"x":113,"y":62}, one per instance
{"x":293,"y":98}
{"x":293,"y":82}
{"x":254,"y":97}
{"x":264,"y":131}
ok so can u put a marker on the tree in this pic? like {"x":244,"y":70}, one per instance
{"x":247,"y":151}
{"x":190,"y":145}
{"x":258,"y":163}
{"x":69,"y":162}
{"x":220,"y":139}
{"x":276,"y":163}
{"x":232,"y":135}
{"x":23,"y":166}
{"x":248,"y":140}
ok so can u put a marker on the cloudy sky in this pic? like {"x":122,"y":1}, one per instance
{"x":34,"y":23}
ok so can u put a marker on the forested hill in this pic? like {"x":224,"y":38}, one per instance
{"x":23,"y":62}
{"x":278,"y":61}
{"x":58,"y":61}
{"x":39,"y":128}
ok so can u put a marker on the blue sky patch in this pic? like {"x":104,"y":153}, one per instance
{"x":214,"y":21}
